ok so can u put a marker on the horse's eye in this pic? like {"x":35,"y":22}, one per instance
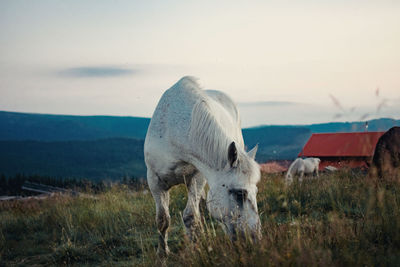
{"x":240,"y":195}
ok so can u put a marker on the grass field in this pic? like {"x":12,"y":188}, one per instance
{"x":340,"y":219}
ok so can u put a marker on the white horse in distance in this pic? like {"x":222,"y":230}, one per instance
{"x":302,"y":166}
{"x":195,"y":137}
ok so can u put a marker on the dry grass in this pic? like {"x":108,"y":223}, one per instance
{"x":340,"y":219}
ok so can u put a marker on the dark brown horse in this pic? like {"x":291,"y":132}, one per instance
{"x":386,"y":158}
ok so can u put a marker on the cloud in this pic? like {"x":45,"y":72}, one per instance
{"x":96,"y":72}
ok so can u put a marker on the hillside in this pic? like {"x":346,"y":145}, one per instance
{"x":95,"y":160}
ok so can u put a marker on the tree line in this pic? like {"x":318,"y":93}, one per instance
{"x":12,"y":185}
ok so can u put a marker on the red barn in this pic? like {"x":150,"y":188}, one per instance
{"x":342,"y":149}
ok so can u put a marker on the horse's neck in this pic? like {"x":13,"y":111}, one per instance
{"x":295,"y":166}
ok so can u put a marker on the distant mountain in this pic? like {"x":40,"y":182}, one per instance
{"x":44,"y":127}
{"x":376,"y":125}
{"x":100,"y":159}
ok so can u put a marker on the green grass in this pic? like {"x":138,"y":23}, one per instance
{"x":339,"y":219}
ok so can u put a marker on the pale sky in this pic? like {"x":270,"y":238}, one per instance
{"x":283,"y":62}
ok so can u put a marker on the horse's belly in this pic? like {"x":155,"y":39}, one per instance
{"x":184,"y":170}
{"x":178,"y":173}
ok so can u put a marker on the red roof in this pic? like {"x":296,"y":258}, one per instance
{"x":360,"y":144}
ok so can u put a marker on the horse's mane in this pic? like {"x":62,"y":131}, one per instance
{"x":209,"y":140}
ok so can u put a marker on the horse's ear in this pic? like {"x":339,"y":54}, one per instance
{"x":232,"y":154}
{"x":252,"y":153}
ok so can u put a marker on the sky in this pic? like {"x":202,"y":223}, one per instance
{"x":283,"y":62}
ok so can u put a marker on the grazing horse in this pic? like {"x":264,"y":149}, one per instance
{"x":195,"y":138}
{"x":302,"y":166}
{"x":387,"y":153}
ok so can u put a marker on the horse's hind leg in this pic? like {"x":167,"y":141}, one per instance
{"x":161,"y":197}
{"x":191,"y":214}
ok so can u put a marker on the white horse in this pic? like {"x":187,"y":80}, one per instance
{"x":195,"y":137}
{"x":302,"y":166}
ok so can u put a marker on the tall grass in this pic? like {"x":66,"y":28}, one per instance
{"x":339,"y":219}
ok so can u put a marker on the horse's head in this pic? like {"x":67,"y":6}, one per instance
{"x":232,"y":196}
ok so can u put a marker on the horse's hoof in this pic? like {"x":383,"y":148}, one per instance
{"x":162,"y":261}
{"x":163,"y":254}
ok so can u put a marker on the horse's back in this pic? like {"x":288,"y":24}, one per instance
{"x":308,"y":165}
{"x":173,"y":112}
{"x":311,"y":164}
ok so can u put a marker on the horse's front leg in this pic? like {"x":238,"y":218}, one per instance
{"x":191,"y":214}
{"x":288,"y":178}
{"x":301,"y":176}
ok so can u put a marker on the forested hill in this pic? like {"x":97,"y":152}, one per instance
{"x":96,"y":160}
{"x":110,"y":147}
{"x":44,"y":127}
{"x":359,"y":126}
